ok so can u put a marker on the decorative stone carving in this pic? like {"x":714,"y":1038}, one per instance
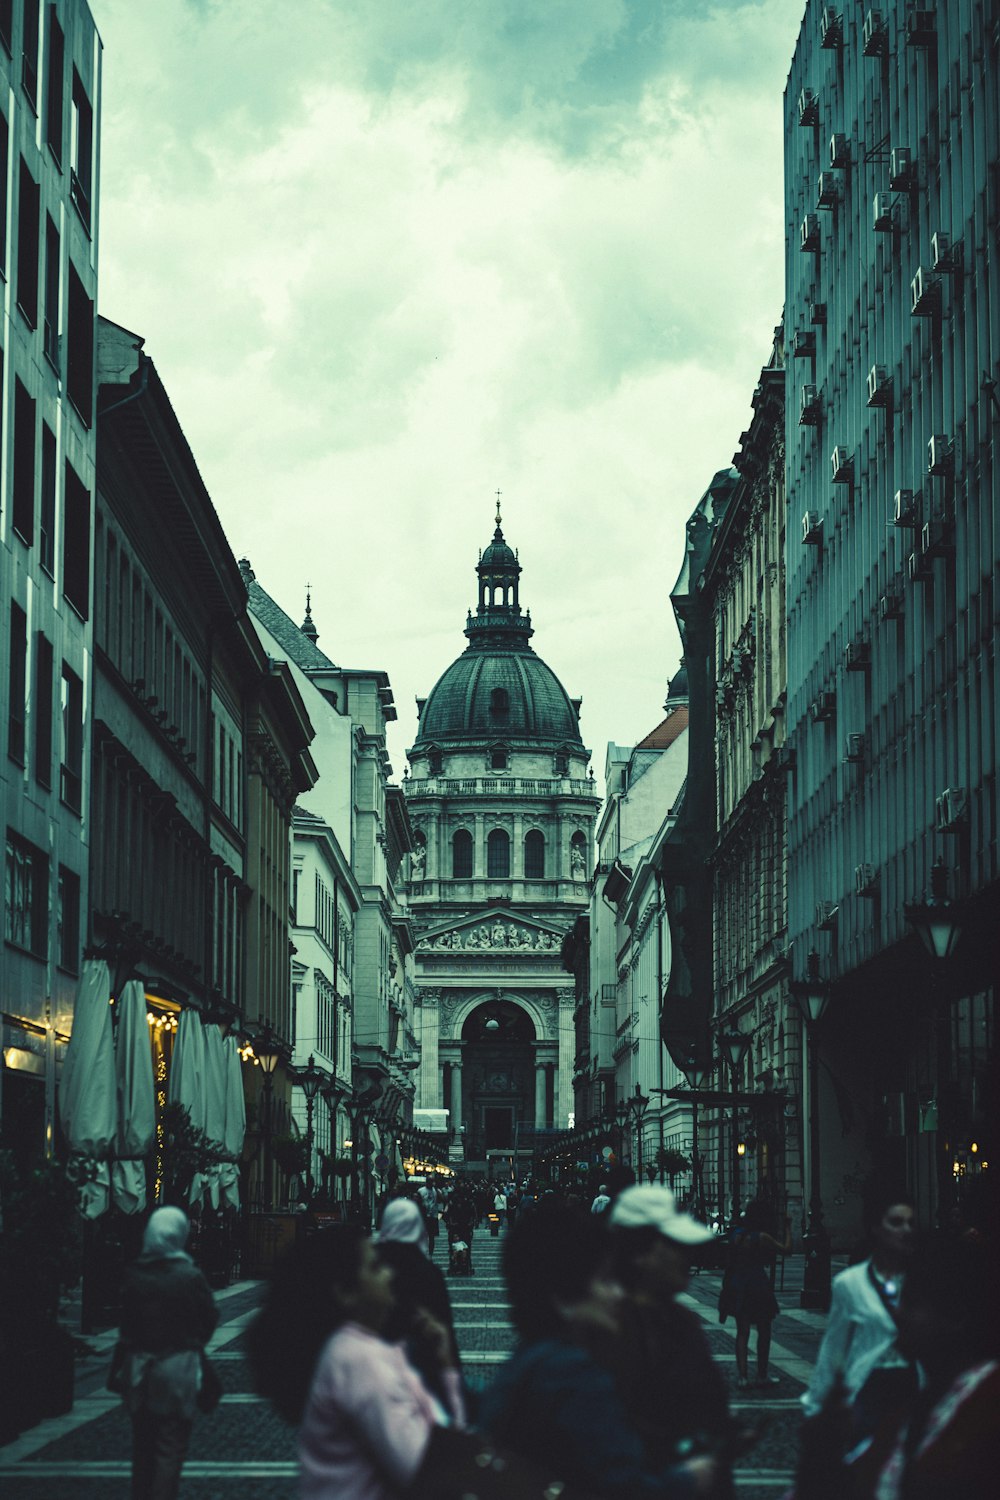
{"x":495,"y":937}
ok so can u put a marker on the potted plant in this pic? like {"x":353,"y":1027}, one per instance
{"x":672,"y":1162}
{"x":40,"y":1258}
{"x":291,"y":1153}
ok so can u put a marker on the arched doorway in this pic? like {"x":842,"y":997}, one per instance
{"x":498,"y":1063}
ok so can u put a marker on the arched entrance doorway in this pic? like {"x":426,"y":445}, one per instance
{"x":498,"y":1062}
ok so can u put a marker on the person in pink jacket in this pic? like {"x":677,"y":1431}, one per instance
{"x":366,"y":1416}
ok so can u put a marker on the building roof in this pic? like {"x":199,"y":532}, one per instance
{"x":301,"y":648}
{"x":668,"y":730}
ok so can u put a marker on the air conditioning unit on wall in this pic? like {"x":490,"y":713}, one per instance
{"x":951,"y":809}
{"x":905,"y":509}
{"x":812,"y":528}
{"x":874,"y":34}
{"x":808,"y":406}
{"x":808,"y":108}
{"x":925,"y":293}
{"x":879,"y":387}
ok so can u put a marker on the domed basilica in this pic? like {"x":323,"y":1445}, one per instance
{"x":503,"y":809}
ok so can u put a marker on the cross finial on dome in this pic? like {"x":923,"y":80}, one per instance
{"x":499,"y":492}
{"x":307,"y":627}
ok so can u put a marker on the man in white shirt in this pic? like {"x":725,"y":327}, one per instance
{"x":602,"y":1200}
{"x":861,"y":1333}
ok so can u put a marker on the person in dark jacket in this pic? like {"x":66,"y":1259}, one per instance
{"x":555,"y":1402}
{"x":418,"y":1288}
{"x":168,"y":1316}
{"x":674,"y":1390}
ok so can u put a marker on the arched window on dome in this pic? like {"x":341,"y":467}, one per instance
{"x":435,"y":761}
{"x":461,"y":855}
{"x":534,"y":855}
{"x":498,"y":855}
{"x":500,"y":705}
{"x":498,"y":758}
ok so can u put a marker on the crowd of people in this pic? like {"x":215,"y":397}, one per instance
{"x":612,"y":1392}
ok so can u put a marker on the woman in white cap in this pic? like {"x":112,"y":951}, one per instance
{"x":673,"y":1389}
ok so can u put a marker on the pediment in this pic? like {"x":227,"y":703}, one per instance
{"x":497,"y":931}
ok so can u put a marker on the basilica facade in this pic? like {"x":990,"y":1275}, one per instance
{"x":503,"y":805}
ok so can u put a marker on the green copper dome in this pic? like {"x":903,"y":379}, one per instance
{"x":508,"y":695}
{"x":498,"y":688}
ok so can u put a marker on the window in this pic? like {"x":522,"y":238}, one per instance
{"x":50,"y":312}
{"x":54,"y":101}
{"x":29,"y":52}
{"x":26,"y":892}
{"x":81,"y":147}
{"x":68,"y":919}
{"x":498,"y":758}
{"x":47,"y":519}
{"x":43,"y":710}
{"x":28,"y":209}
{"x":561,"y":763}
{"x":500,"y":704}
{"x":71,"y":769}
{"x":534,"y":855}
{"x":24,"y":464}
{"x":498,"y":855}
{"x":80,"y":348}
{"x":76,"y":543}
{"x":435,"y":762}
{"x":461,"y":855}
{"x":16,"y":683}
{"x":4,"y":150}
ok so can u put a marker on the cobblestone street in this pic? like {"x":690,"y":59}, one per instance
{"x":244,"y":1452}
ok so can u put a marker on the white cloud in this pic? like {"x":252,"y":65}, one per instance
{"x":388,"y":258}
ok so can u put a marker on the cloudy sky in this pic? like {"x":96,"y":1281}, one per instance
{"x":390,"y":256}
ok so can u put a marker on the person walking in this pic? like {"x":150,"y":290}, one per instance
{"x":429,"y":1202}
{"x":500,"y":1206}
{"x":419,"y":1288}
{"x":859,"y":1351}
{"x":555,"y":1401}
{"x":673,"y":1389}
{"x":168,"y":1316}
{"x":318,"y":1354}
{"x":747,"y":1290}
{"x":601,"y":1201}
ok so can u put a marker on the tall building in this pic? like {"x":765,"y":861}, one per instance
{"x":503,"y":808}
{"x":50,"y":70}
{"x":353,"y":968}
{"x":892,"y":131}
{"x":757,"y":1027}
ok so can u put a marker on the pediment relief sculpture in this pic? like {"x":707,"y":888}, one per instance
{"x":494,"y":936}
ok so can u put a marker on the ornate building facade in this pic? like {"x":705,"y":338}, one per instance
{"x":892,"y":150}
{"x":503,"y":809}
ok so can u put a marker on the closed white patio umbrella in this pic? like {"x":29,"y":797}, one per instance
{"x":88,"y":1104}
{"x":236,"y":1125}
{"x":207,"y":1185}
{"x":136,"y":1100}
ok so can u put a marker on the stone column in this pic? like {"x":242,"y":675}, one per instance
{"x":563,"y":1102}
{"x":429,"y":1075}
{"x":540,"y":1100}
{"x":455,"y":1120}
{"x":478,"y":848}
{"x":517,"y":852}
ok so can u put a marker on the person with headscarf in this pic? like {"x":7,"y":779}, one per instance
{"x":419,"y":1288}
{"x":168,"y":1316}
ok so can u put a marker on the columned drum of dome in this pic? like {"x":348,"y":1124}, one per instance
{"x":503,"y":806}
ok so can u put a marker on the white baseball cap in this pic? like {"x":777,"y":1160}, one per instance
{"x":652,"y":1207}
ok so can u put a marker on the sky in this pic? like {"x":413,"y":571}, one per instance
{"x":390,"y":256}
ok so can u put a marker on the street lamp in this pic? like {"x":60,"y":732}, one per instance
{"x":735,"y":1045}
{"x":310,"y":1080}
{"x":268,"y":1049}
{"x":638,"y":1104}
{"x":812,"y":995}
{"x":697,"y":1074}
{"x":937,"y":921}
